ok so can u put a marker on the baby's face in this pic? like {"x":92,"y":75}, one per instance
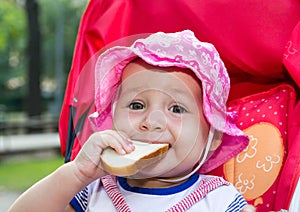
{"x":163,"y":105}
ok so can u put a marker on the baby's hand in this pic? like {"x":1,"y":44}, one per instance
{"x":88,"y":159}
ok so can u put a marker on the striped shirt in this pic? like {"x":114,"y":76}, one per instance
{"x":192,"y":195}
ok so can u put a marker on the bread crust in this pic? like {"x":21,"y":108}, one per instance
{"x":128,"y":166}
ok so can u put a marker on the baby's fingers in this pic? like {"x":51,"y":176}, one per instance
{"x":116,"y":140}
{"x":121,"y":143}
{"x":88,"y":161}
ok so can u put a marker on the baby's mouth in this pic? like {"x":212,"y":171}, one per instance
{"x":150,"y":141}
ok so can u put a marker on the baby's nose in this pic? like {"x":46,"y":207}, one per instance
{"x":154,"y":121}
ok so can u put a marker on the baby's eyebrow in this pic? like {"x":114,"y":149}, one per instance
{"x":180,"y":92}
{"x":134,"y":89}
{"x":173,"y":90}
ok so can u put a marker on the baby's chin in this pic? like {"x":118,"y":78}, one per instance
{"x":167,"y":167}
{"x":163,"y":175}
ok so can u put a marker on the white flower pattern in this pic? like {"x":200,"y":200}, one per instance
{"x":269,"y":162}
{"x":249,"y":152}
{"x":244,"y":184}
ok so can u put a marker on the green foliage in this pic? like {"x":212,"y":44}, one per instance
{"x":12,"y":22}
{"x":12,"y":50}
{"x":13,"y":46}
{"x":20,"y":175}
{"x":12,"y":39}
{"x":52,"y":14}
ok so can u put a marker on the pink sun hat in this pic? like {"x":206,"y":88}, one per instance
{"x":184,"y":50}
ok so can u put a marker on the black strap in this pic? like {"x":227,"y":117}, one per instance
{"x":74,"y":131}
{"x":71,"y":136}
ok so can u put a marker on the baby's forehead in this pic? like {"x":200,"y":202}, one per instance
{"x":138,"y":65}
{"x":139,"y":77}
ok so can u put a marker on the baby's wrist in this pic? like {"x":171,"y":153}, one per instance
{"x":79,"y":174}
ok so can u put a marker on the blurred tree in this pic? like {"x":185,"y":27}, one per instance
{"x":12,"y":48}
{"x":34,"y":106}
{"x":59,"y":22}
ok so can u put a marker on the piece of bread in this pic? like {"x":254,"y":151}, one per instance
{"x":143,"y":155}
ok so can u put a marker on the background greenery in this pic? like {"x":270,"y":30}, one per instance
{"x":58,"y":21}
{"x":21,"y":174}
{"x":58,"y":24}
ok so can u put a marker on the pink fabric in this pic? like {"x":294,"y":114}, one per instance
{"x":251,"y":37}
{"x":292,"y":54}
{"x":291,"y":169}
{"x":181,"y":49}
{"x":275,"y":107}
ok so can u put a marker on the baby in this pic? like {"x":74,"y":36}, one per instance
{"x":166,"y":88}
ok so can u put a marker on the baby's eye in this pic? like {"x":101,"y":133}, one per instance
{"x":136,"y":106}
{"x":177,"y":109}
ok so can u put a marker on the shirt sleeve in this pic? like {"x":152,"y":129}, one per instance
{"x":238,"y":203}
{"x":80,"y":201}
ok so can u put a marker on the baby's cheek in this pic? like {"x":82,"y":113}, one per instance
{"x":121,"y":119}
{"x":119,"y":125}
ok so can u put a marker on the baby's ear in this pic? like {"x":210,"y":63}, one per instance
{"x":216,"y":140}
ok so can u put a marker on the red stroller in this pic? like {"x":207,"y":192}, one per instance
{"x":260,"y":45}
